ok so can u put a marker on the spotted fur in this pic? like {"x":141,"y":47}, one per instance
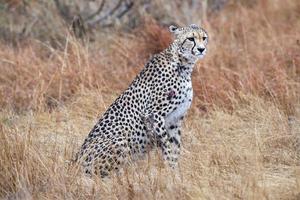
{"x":150,"y":112}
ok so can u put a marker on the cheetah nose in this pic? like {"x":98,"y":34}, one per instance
{"x":201,"y":50}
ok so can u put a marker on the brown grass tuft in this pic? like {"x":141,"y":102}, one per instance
{"x":252,"y":53}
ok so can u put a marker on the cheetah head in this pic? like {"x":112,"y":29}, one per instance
{"x":191,"y":41}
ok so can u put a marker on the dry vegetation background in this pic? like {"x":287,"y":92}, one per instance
{"x":241,"y":138}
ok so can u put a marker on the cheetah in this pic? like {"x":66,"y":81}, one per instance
{"x":150,"y":112}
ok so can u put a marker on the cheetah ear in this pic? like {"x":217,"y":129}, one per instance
{"x":173,"y":29}
{"x":194,"y":26}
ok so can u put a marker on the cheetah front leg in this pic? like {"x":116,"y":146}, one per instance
{"x":173,"y":130}
{"x":168,"y":137}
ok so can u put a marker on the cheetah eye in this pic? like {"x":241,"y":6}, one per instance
{"x":191,"y":39}
{"x":204,"y":38}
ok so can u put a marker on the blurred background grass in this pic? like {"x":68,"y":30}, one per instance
{"x":63,"y":62}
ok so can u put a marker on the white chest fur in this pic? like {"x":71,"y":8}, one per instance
{"x":183,"y":106}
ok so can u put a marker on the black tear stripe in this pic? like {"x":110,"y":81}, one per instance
{"x":194,"y":43}
{"x":192,"y":47}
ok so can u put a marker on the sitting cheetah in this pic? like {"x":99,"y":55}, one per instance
{"x":149,"y":113}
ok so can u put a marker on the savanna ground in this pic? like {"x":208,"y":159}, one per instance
{"x":241,"y":138}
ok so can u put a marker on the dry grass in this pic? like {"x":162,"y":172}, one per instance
{"x":252,"y":153}
{"x":241,"y":137}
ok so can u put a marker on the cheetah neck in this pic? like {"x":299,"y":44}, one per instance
{"x":183,"y":63}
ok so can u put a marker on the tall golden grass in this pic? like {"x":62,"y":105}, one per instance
{"x":240,"y":140}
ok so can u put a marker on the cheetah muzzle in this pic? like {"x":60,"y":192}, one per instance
{"x":150,"y":112}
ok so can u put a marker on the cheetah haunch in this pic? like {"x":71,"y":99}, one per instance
{"x":149,"y":113}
